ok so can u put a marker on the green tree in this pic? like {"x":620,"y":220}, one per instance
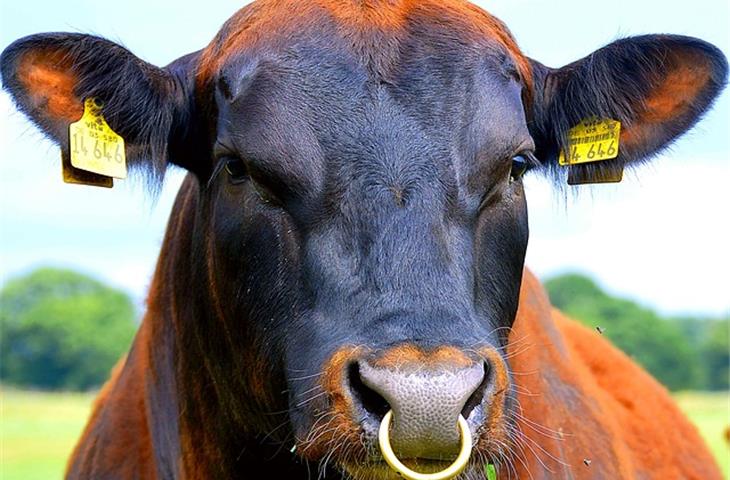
{"x":655,"y":343}
{"x":715,"y":352}
{"x":62,"y":330}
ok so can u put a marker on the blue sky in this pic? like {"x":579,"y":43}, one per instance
{"x":661,"y":236}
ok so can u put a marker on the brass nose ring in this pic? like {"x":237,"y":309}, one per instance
{"x":450,"y":472}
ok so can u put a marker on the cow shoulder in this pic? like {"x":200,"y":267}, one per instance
{"x":598,"y":414}
{"x":662,"y":441}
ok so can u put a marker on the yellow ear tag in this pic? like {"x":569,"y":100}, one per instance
{"x":592,"y":140}
{"x":94,"y":146}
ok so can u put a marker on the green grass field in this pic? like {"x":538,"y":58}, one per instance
{"x":711,"y":413}
{"x":38,"y":430}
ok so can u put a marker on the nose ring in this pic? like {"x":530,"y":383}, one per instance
{"x":450,"y":472}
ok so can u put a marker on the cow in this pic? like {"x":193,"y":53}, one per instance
{"x":347,"y":249}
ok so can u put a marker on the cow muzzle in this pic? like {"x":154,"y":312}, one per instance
{"x":426,"y":404}
{"x":437,"y":405}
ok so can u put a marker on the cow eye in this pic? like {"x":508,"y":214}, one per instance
{"x":268,"y":189}
{"x":520,"y":165}
{"x":237,"y":170}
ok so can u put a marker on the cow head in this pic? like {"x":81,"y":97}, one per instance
{"x":352,"y":234}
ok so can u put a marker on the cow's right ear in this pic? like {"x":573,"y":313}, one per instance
{"x":50,"y":75}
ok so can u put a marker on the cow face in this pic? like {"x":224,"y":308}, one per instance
{"x":358,"y":222}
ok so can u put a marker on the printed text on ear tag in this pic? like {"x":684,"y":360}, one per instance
{"x":592,"y":140}
{"x":94,"y":146}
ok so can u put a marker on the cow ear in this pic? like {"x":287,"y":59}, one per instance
{"x":50,"y":75}
{"x":657,"y":86}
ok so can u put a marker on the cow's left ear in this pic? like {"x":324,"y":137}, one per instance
{"x":50,"y":75}
{"x":657,"y":86}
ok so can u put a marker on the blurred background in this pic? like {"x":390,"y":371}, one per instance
{"x":646,"y":260}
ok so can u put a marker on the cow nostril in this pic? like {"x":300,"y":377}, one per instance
{"x":368,"y":399}
{"x":477,"y":396}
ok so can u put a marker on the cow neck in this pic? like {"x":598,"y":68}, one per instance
{"x":199,"y":409}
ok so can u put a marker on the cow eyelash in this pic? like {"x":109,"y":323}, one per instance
{"x":527,"y":161}
{"x":221,"y":164}
{"x":522,"y":163}
{"x":239,"y":171}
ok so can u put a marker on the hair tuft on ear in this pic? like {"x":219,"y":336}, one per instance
{"x":657,"y":86}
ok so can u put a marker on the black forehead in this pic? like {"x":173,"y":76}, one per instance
{"x":312,"y":97}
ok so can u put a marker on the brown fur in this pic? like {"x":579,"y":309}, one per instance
{"x":50,"y":84}
{"x":404,"y":355}
{"x":372,"y":27}
{"x":687,"y":76}
{"x":495,"y":433}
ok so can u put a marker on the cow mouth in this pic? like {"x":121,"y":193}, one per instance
{"x":361,"y":460}
{"x":373,"y":467}
{"x":381,"y":471}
